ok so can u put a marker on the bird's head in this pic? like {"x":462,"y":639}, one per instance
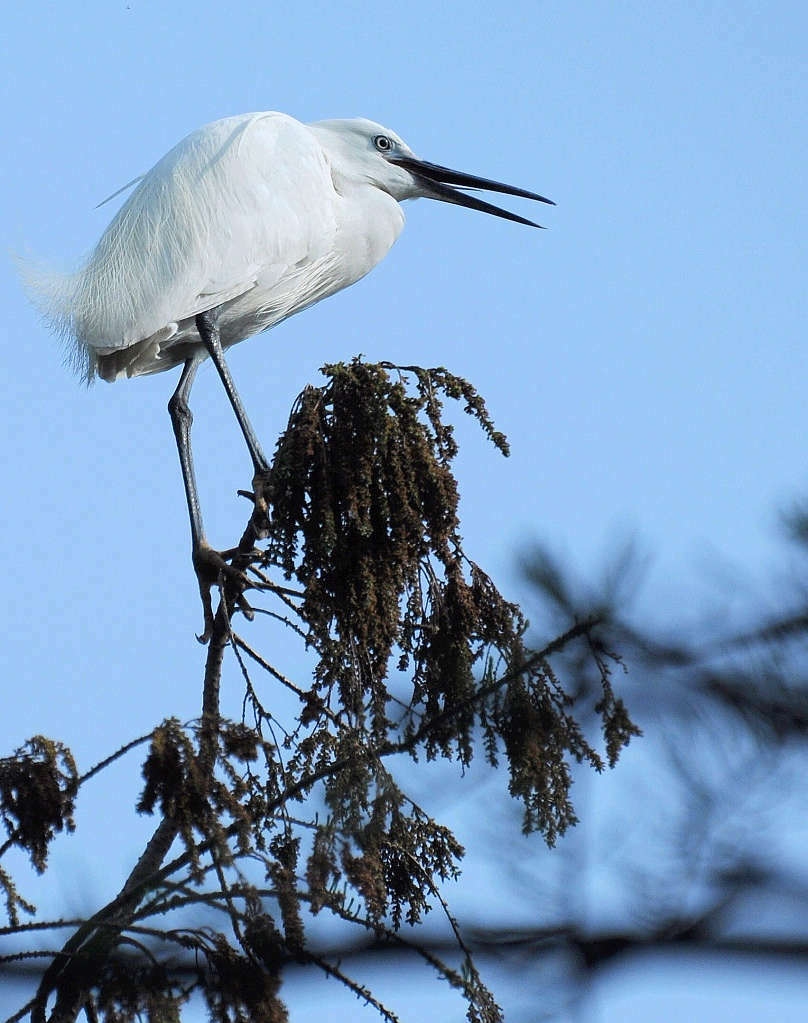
{"x":363,"y":150}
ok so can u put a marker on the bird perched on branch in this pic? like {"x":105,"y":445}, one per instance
{"x":245,"y":222}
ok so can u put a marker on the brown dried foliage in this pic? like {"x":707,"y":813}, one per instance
{"x":416,"y":653}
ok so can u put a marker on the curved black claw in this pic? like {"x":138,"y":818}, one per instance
{"x":212,"y":569}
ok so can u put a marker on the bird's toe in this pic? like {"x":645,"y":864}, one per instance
{"x":212,"y":569}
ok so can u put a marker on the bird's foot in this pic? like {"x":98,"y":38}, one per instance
{"x":212,"y":569}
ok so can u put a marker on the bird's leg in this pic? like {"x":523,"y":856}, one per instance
{"x":210,"y":566}
{"x":207,"y":325}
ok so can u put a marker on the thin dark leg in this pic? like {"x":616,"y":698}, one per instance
{"x":209,"y":332}
{"x":210,"y":566}
{"x":181,"y":420}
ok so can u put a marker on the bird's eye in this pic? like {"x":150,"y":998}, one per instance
{"x":383,"y":143}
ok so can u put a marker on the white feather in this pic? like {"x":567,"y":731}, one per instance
{"x":252,"y":214}
{"x":256,"y":216}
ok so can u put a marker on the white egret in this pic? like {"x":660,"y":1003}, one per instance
{"x":245,"y":222}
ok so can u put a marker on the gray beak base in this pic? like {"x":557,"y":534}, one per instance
{"x":436,"y":182}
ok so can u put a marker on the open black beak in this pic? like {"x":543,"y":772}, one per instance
{"x":436,"y":181}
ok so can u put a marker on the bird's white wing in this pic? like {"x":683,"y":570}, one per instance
{"x":242,"y":205}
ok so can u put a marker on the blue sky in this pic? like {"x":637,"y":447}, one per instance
{"x":645,"y":355}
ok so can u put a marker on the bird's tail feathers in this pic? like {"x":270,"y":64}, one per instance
{"x":54,"y":295}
